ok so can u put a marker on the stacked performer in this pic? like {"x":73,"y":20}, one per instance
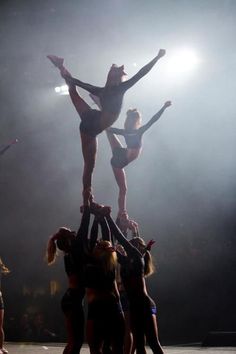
{"x":93,"y":122}
{"x":91,"y":264}
{"x":121,"y":157}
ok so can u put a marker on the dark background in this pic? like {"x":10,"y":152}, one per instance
{"x":181,"y":189}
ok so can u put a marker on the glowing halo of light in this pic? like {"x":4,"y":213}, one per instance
{"x":182,"y":61}
{"x":62,"y":90}
{"x":57,"y":89}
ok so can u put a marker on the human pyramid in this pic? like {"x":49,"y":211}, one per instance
{"x":110,"y":273}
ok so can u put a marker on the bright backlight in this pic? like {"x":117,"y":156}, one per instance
{"x":181,"y":61}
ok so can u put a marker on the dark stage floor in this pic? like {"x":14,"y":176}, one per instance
{"x":18,"y":348}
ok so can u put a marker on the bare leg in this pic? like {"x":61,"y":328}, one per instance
{"x":94,"y":339}
{"x":96,"y":100}
{"x":80,"y":105}
{"x":120,"y":177}
{"x":1,"y":329}
{"x":89,"y":150}
{"x":113,"y":140}
{"x":152,"y":335}
{"x":128,"y":345}
{"x":69,"y":345}
{"x":119,"y":174}
{"x":89,"y":143}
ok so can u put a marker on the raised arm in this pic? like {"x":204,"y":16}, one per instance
{"x":154,"y":118}
{"x":93,"y":234}
{"x":82,"y":233}
{"x":142,"y":72}
{"x":99,"y":211}
{"x":116,"y":131}
{"x":130,"y":249}
{"x":106,"y":233}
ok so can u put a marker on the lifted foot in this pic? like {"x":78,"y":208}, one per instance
{"x":57,"y":61}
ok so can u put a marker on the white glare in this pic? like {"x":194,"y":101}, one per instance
{"x":62,"y":90}
{"x":182,"y":61}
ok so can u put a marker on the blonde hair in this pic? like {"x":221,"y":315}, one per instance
{"x":3,"y":268}
{"x":106,"y":254}
{"x":51,"y":250}
{"x":133,"y":116}
{"x":140,"y":244}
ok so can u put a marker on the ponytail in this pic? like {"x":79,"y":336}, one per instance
{"x":149,"y":265}
{"x":51,"y":251}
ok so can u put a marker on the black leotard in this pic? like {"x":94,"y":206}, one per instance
{"x":132,"y":269}
{"x":96,"y":278}
{"x":133,"y":138}
{"x":132,"y":265}
{"x":69,"y":264}
{"x":111,"y":99}
{"x":141,"y":306}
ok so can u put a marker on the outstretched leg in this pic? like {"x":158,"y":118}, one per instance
{"x":113,"y":140}
{"x":89,"y":143}
{"x":80,"y":105}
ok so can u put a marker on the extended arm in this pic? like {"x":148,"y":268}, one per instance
{"x":121,"y":238}
{"x":95,"y":90}
{"x":106,"y":234}
{"x":155,"y":117}
{"x":82,"y":234}
{"x":4,"y":148}
{"x":116,"y":131}
{"x":93,"y":234}
{"x":142,"y":72}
